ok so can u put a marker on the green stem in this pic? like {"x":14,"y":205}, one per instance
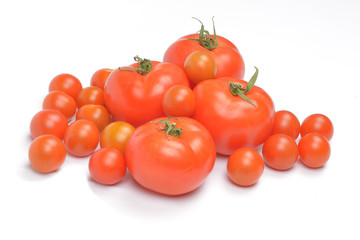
{"x":144,"y":67}
{"x":170,"y":129}
{"x":205,"y":38}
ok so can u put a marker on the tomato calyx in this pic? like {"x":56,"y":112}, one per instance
{"x":205,"y":38}
{"x":237,"y":90}
{"x":144,"y":67}
{"x":169,"y":128}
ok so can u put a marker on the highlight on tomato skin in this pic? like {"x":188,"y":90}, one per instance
{"x":99,"y":78}
{"x":317,"y":123}
{"x":67,"y":83}
{"x":60,"y":101}
{"x":48,"y":121}
{"x":314,"y":150}
{"x":287,"y":123}
{"x":200,"y":66}
{"x":179,"y":101}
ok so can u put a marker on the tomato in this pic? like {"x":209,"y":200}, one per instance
{"x":245,"y":166}
{"x":107,"y":166}
{"x":48,"y":121}
{"x":99,"y":78}
{"x":116,"y":135}
{"x":314,"y":150}
{"x":66,"y":83}
{"x":236,"y":115}
{"x":286,"y":123}
{"x":200,"y":66}
{"x":97,"y":114}
{"x":317,"y":123}
{"x":179,"y":101}
{"x":90,"y":95}
{"x":280,"y":152}
{"x":170,"y":156}
{"x":229,"y":62}
{"x":47,"y":153}
{"x":135,"y":96}
{"x":81,"y":138}
{"x":60,"y":101}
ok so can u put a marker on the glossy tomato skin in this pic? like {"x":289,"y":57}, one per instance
{"x":98,"y":114}
{"x":229,"y":62}
{"x":48,"y":121}
{"x":170,"y":166}
{"x":233,"y":122}
{"x":90,"y":95}
{"x":314,"y":150}
{"x":137,"y":99}
{"x":286,"y":123}
{"x":200,"y":66}
{"x":60,"y":101}
{"x":179,"y":101}
{"x":116,"y":135}
{"x":317,"y":123}
{"x":99,"y":78}
{"x":67,"y":83}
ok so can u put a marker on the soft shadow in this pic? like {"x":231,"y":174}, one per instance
{"x":310,"y":171}
{"x":28,"y":173}
{"x":233,"y":187}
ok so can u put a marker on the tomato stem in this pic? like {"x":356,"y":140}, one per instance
{"x":144,"y":67}
{"x":169,"y":129}
{"x":205,"y":38}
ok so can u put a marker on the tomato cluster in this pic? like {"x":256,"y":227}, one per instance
{"x":165,"y":121}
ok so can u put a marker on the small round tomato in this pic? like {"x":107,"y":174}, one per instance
{"x":47,"y":153}
{"x":314,"y":150}
{"x":60,"y":101}
{"x":245,"y":166}
{"x":317,"y":123}
{"x":99,"y":78}
{"x":200,"y":66}
{"x":90,"y":95}
{"x":98,"y":114}
{"x":81,"y":138}
{"x":66,"y":83}
{"x":116,"y":135}
{"x":280,"y":152}
{"x":107,"y":166}
{"x":48,"y":121}
{"x":286,"y":123}
{"x":179,"y":101}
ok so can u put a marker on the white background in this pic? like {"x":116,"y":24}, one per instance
{"x":308,"y":56}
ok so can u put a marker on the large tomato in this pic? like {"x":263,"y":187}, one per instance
{"x":134,"y":94}
{"x":228,"y":60}
{"x":236,"y":113}
{"x":170,"y":156}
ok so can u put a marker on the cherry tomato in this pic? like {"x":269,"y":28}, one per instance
{"x":48,"y":121}
{"x":98,"y":114}
{"x":99,"y":78}
{"x":179,"y":101}
{"x":245,"y":166}
{"x":200,"y":66}
{"x":286,"y":123}
{"x":107,"y":166}
{"x":317,"y":123}
{"x":81,"y":138}
{"x":116,"y":135}
{"x":314,"y":150}
{"x":66,"y":83}
{"x":60,"y":101}
{"x":47,"y":153}
{"x":90,"y":95}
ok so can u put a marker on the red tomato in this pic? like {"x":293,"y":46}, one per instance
{"x":48,"y":122}
{"x":47,"y":153}
{"x":107,"y":166}
{"x":200,"y":66}
{"x":116,"y":135}
{"x":233,"y":121}
{"x":280,"y":152}
{"x":179,"y":101}
{"x":136,"y":96}
{"x":314,"y":150}
{"x":81,"y":138}
{"x":99,"y":78}
{"x":317,"y":123}
{"x":66,"y":83}
{"x":60,"y":101}
{"x":172,"y":157}
{"x":245,"y":166}
{"x":97,"y":114}
{"x":286,"y":123}
{"x":90,"y":95}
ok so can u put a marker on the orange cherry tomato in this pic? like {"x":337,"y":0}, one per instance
{"x":245,"y":166}
{"x":99,"y":78}
{"x":81,"y":138}
{"x":66,"y":83}
{"x":60,"y":101}
{"x":116,"y":135}
{"x":286,"y":123}
{"x":317,"y":123}
{"x":48,"y":121}
{"x":314,"y":150}
{"x":200,"y":66}
{"x":98,"y":114}
{"x":90,"y":95}
{"x":47,"y":153}
{"x":179,"y":101}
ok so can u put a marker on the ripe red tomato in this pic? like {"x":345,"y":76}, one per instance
{"x":107,"y":166}
{"x":223,"y":107}
{"x":48,"y":121}
{"x":66,"y":83}
{"x":90,"y":95}
{"x":116,"y":135}
{"x":200,"y":66}
{"x":97,"y":114}
{"x":179,"y":101}
{"x":286,"y":123}
{"x":99,"y":78}
{"x":280,"y":152}
{"x":47,"y":153}
{"x":135,"y":96}
{"x":170,"y":156}
{"x":317,"y":123}
{"x":60,"y":101}
{"x":81,"y":138}
{"x":314,"y":150}
{"x":245,"y":166}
